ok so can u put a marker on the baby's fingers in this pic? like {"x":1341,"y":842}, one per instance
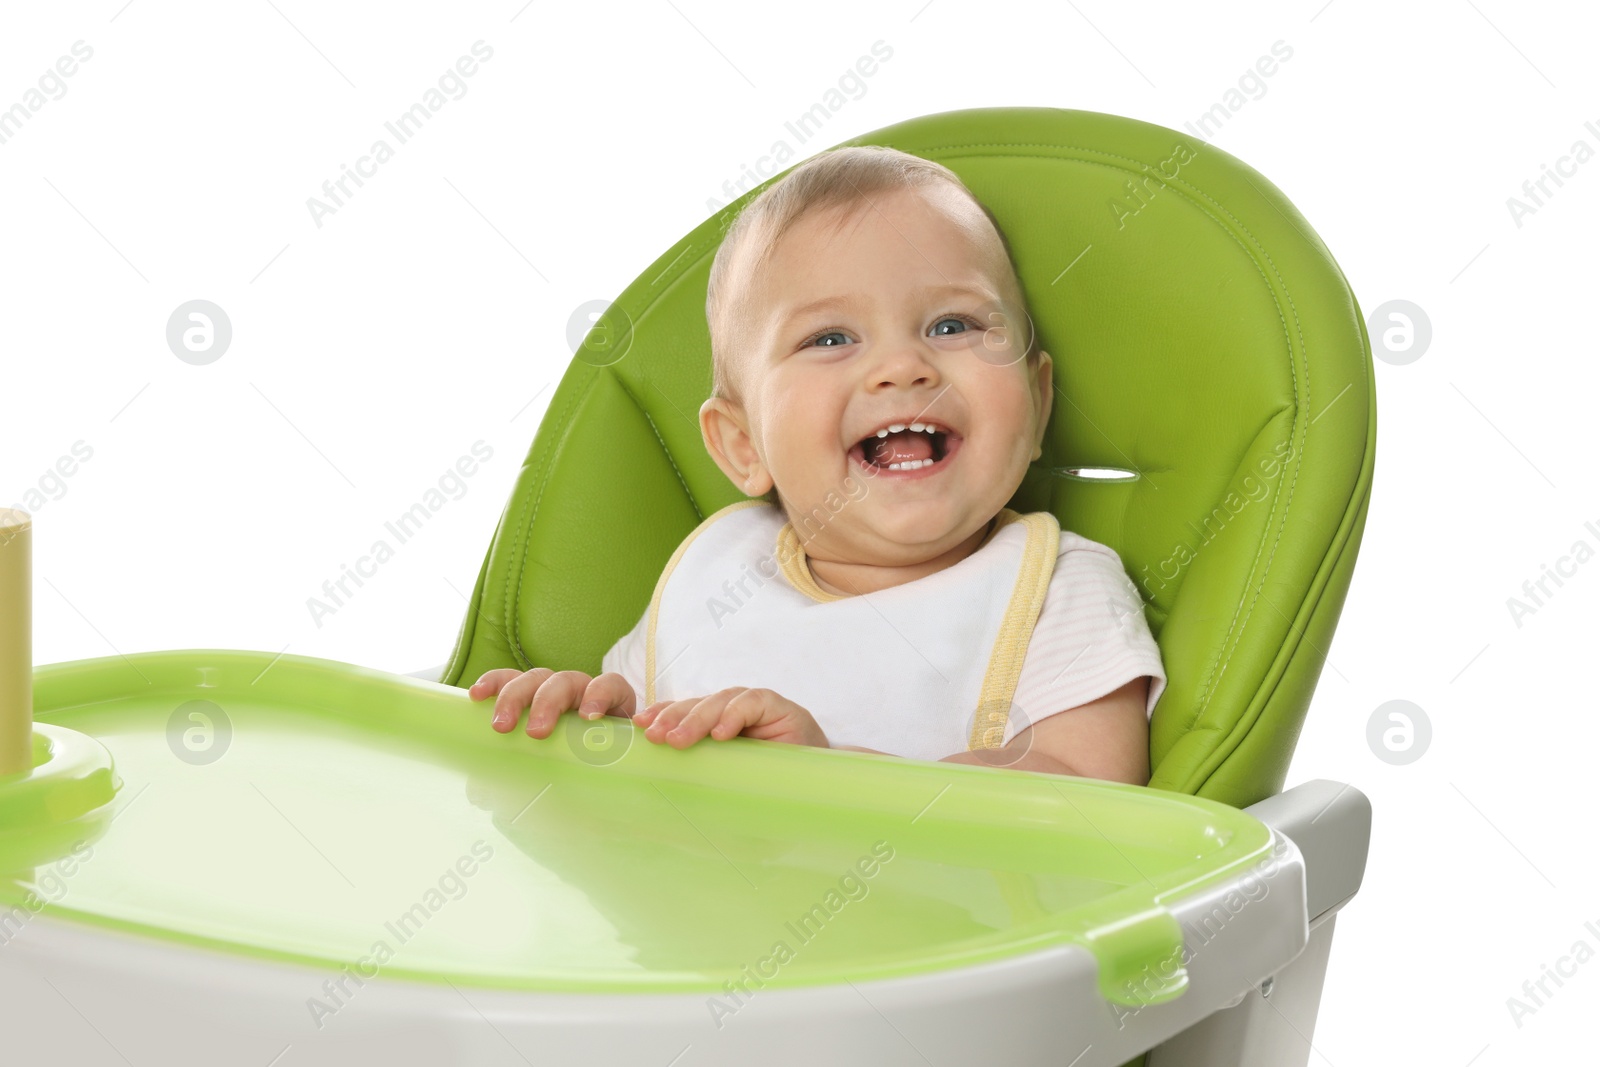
{"x":663,"y":717}
{"x":609,"y":694}
{"x":492,"y":682}
{"x":737,"y":715}
{"x":560,"y":692}
{"x":512,"y":689}
{"x":682,"y":723}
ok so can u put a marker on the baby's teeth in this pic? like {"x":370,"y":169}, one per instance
{"x":883,"y":433}
{"x":897,"y":427}
{"x":911,"y":464}
{"x":917,"y":426}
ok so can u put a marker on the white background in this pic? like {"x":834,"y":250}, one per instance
{"x":432,"y":311}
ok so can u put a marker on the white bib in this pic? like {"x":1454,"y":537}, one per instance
{"x":922,"y":670}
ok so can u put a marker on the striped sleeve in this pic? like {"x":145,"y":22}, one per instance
{"x":1091,"y":637}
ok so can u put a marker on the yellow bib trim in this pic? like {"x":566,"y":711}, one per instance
{"x":797,"y":569}
{"x":792,"y":562}
{"x":661,"y":583}
{"x":1022,"y":612}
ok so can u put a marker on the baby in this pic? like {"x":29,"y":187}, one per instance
{"x":879,"y":394}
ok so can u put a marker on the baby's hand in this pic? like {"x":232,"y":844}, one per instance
{"x":547,"y":693}
{"x":758,"y":713}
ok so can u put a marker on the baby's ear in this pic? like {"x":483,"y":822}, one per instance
{"x":1045,"y":381}
{"x":726,"y":430}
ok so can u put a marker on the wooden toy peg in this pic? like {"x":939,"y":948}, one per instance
{"x":16,"y":641}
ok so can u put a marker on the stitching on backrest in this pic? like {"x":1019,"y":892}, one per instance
{"x":512,"y":593}
{"x":668,"y":453}
{"x":519,"y":552}
{"x":699,"y":516}
{"x":1300,"y":430}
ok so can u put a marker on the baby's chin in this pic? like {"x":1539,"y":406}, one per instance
{"x":898,"y":533}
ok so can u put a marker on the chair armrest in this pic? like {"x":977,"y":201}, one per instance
{"x":1331,"y":824}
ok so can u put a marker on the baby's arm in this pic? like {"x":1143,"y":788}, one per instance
{"x":1108,"y":738}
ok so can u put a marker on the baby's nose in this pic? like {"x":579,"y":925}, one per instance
{"x":905,"y":367}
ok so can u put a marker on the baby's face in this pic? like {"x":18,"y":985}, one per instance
{"x":856,"y":343}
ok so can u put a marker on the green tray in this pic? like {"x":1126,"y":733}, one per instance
{"x":301,"y":809}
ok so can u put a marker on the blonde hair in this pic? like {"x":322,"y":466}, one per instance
{"x":834,"y":178}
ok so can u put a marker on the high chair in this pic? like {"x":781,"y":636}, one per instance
{"x":1213,"y":422}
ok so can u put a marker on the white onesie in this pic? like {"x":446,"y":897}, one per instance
{"x":1036,"y":621}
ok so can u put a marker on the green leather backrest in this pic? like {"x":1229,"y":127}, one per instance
{"x":1203,"y":337}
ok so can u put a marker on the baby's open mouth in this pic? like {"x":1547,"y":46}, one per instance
{"x":908,"y":447}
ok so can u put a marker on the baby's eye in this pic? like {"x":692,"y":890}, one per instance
{"x":827,"y":340}
{"x":960,"y":321}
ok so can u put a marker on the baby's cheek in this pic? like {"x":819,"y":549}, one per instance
{"x":800,"y":462}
